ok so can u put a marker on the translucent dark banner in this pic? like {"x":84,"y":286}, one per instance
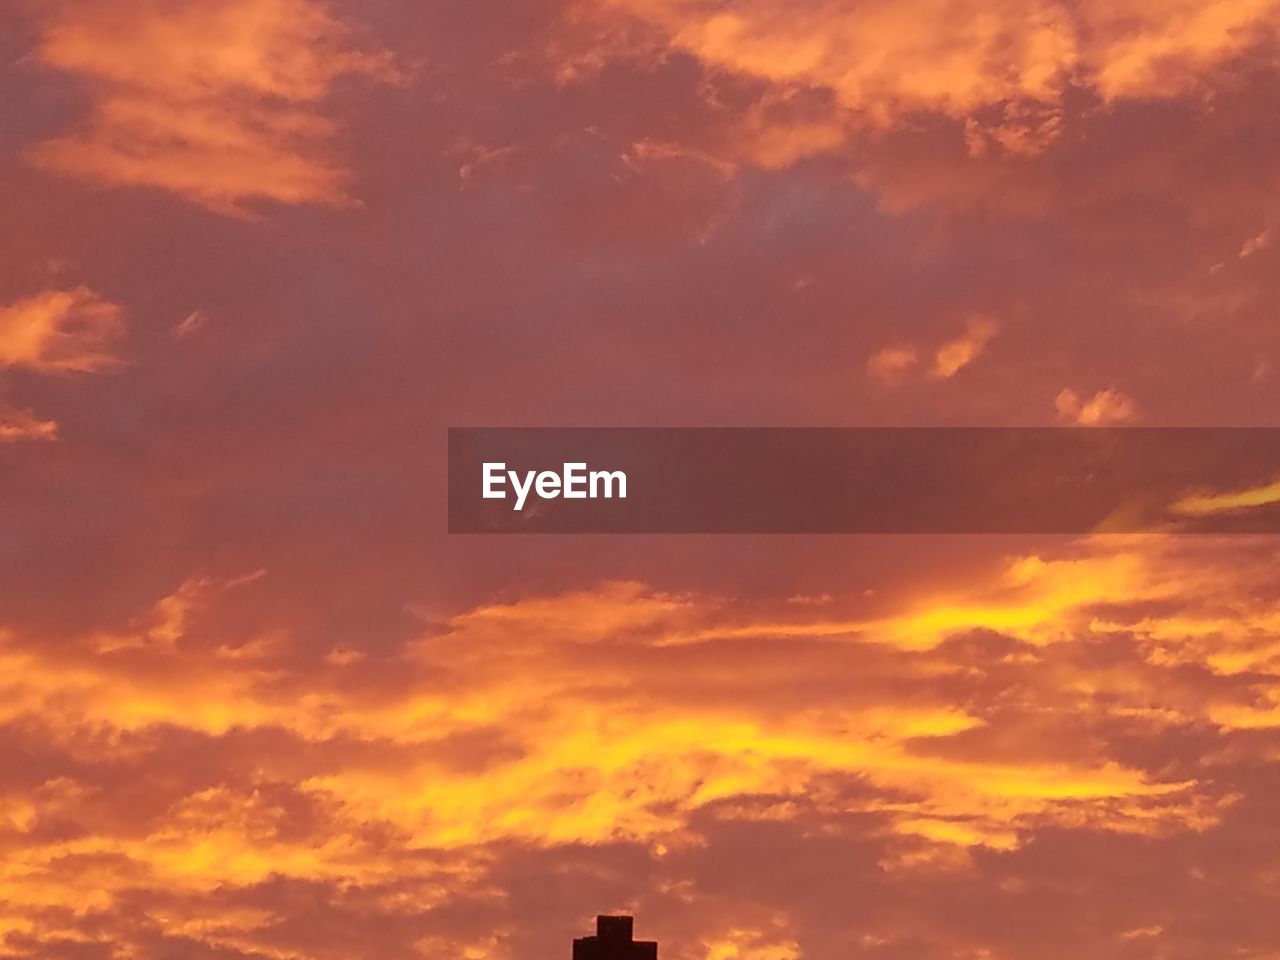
{"x":864,"y":480}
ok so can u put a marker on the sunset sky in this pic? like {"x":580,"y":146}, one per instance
{"x":258,"y":255}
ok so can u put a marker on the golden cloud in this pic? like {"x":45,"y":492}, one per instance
{"x":1208,"y":504}
{"x":970,"y":721}
{"x":745,"y":944}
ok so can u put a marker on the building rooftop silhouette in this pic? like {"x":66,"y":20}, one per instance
{"x":613,"y":941}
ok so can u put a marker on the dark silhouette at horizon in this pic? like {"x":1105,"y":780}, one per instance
{"x":613,"y":940}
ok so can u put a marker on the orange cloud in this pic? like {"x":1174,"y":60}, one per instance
{"x":1104,"y":407}
{"x":57,"y":331}
{"x":60,"y":331}
{"x":893,"y":362}
{"x":583,"y":683}
{"x":24,"y":425}
{"x":955,"y":355}
{"x":1163,"y":48}
{"x":889,"y":364}
{"x":966,"y":724}
{"x":216,"y":100}
{"x":744,"y":944}
{"x":1001,"y":68}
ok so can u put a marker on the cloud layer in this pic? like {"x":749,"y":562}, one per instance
{"x":204,"y":787}
{"x":255,"y":703}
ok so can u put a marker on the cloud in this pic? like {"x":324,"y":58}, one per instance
{"x":219,"y":100}
{"x":1207,"y":504}
{"x":983,"y":721}
{"x":55,"y":332}
{"x":889,"y":364}
{"x":1104,"y":407}
{"x":1153,"y":49}
{"x":894,"y":362}
{"x":189,"y":324}
{"x":396,"y":745}
{"x":1001,"y":69}
{"x":60,"y":331}
{"x":955,"y":355}
{"x":1254,"y":244}
{"x":24,"y":425}
{"x":745,"y":944}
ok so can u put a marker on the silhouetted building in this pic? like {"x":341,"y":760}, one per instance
{"x":613,"y":942}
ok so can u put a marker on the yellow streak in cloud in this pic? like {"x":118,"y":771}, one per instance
{"x":1035,"y":600}
{"x":960,"y":833}
{"x":604,"y":734}
{"x":1208,"y":504}
{"x":752,"y":944}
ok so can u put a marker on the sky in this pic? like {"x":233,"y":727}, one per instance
{"x":257,"y":256}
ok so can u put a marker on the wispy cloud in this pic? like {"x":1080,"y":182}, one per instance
{"x":619,"y":715}
{"x":189,"y":324}
{"x":60,"y":331}
{"x":891,"y":363}
{"x":896,"y":361}
{"x":1104,"y":407}
{"x":1208,"y":504}
{"x":218,"y":100}
{"x":954,"y":355}
{"x":55,"y":332}
{"x":1004,"y":69}
{"x":18,"y":425}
